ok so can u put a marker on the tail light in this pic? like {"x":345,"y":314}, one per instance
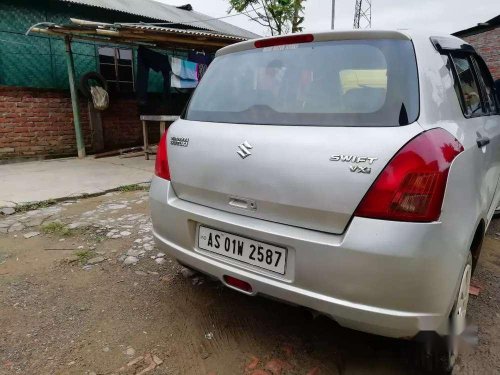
{"x":282,"y":40}
{"x":161,"y":166}
{"x":411,"y":187}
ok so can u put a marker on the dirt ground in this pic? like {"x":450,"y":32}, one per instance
{"x":87,"y":293}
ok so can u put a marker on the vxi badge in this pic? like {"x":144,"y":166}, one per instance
{"x":354,"y":160}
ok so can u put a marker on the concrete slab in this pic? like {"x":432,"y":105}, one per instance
{"x":62,"y":178}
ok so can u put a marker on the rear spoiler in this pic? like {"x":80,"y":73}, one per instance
{"x":447,"y":44}
{"x":320,"y":37}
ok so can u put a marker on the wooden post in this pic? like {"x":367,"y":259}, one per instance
{"x":80,"y":144}
{"x":95,"y":121}
{"x":146,"y":138}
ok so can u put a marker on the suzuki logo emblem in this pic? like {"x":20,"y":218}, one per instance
{"x":244,"y":151}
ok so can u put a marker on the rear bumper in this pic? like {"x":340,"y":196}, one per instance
{"x":388,"y":278}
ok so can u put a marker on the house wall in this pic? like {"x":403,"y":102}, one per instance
{"x":36,"y":119}
{"x":38,"y":123}
{"x":487,"y":44}
{"x":39,"y":61}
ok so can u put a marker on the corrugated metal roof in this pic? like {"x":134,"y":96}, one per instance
{"x":184,"y":31}
{"x":137,"y":35}
{"x":480,"y":27}
{"x":164,"y":12}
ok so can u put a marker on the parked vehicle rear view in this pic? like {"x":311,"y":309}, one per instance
{"x":354,"y":173}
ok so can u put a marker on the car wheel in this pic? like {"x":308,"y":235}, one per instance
{"x":438,"y":355}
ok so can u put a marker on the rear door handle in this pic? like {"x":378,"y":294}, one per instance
{"x":482,"y":141}
{"x":247,"y":204}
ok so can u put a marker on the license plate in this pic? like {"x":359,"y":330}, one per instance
{"x":256,"y":253}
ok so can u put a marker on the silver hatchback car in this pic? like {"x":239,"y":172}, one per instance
{"x":354,"y":173}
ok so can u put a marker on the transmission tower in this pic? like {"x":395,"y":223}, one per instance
{"x":363,"y":14}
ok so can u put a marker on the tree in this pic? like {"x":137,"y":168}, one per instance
{"x":297,"y":19}
{"x":279,"y":16}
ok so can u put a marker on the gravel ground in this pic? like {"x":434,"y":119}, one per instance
{"x":83,"y":290}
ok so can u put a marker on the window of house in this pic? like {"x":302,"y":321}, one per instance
{"x":116,"y":65}
{"x":470,"y":91}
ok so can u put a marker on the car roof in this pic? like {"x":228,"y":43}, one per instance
{"x":417,"y":36}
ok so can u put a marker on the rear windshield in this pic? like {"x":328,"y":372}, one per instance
{"x":336,"y":83}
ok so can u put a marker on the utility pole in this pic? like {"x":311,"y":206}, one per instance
{"x":333,"y":14}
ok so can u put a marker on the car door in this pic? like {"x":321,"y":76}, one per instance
{"x":478,"y":126}
{"x":491,"y":126}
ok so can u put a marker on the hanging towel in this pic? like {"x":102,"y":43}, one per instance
{"x":184,"y":73}
{"x":180,"y":83}
{"x":184,"y":69}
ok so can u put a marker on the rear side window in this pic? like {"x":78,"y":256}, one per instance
{"x":488,"y":85}
{"x":468,"y":85}
{"x":335,"y":83}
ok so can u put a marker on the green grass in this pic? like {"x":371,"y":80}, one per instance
{"x":25,"y":207}
{"x":85,"y":255}
{"x":57,"y":228}
{"x":35,"y":206}
{"x":99,"y":238}
{"x":133,"y":187}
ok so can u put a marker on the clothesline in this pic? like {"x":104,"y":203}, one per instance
{"x":176,"y":72}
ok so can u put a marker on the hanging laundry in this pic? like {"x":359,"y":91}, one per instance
{"x":181,"y":83}
{"x":148,"y":59}
{"x":184,"y":69}
{"x":202,"y":59}
{"x":184,"y":73}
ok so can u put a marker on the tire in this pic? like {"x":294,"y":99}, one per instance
{"x":432,"y":355}
{"x":85,"y":86}
{"x":437,"y":355}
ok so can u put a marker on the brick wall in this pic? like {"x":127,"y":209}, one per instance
{"x":38,"y":124}
{"x":121,"y":125}
{"x":487,"y":44}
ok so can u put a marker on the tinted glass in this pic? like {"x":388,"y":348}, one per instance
{"x":336,"y":83}
{"x":468,"y":84}
{"x":488,"y":84}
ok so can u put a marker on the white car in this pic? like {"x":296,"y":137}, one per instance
{"x":354,"y":173}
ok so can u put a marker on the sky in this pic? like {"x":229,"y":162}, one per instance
{"x":445,"y":16}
